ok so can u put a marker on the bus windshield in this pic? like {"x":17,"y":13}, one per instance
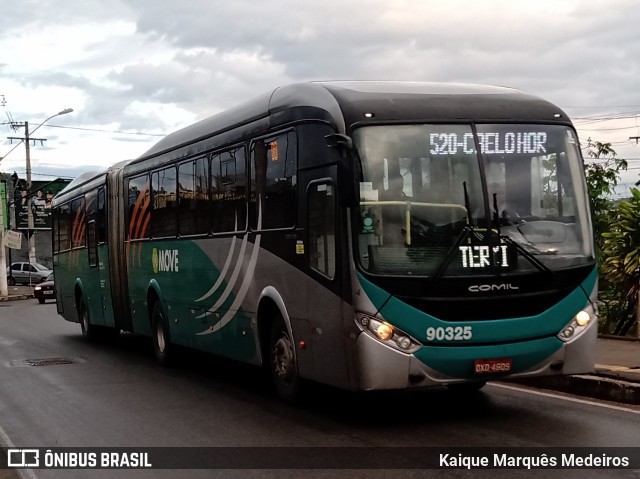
{"x":461,"y":199}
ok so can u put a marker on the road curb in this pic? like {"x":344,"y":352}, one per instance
{"x":589,"y":385}
{"x":14,"y":297}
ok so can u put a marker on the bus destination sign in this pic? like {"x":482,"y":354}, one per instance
{"x":484,"y":256}
{"x":497,"y":143}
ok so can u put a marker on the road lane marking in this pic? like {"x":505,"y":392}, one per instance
{"x":634,"y":369}
{"x":6,"y":441}
{"x":567,"y":398}
{"x":7,"y":342}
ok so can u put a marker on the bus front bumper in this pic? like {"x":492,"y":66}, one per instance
{"x":382,"y":367}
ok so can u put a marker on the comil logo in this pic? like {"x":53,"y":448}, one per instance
{"x":164,"y":260}
{"x":483,"y":288}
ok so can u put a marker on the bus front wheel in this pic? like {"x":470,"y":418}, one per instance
{"x":282,"y":362}
{"x":160,"y":335}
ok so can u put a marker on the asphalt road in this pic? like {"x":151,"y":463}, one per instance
{"x":56,"y":390}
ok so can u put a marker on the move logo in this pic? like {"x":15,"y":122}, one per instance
{"x":164,"y":260}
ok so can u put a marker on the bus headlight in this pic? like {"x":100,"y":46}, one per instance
{"x":578,"y":324}
{"x":387,"y":333}
{"x":583,"y":318}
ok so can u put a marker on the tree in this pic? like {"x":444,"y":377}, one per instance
{"x":617,"y":235}
{"x":621,"y":265}
{"x":602,"y":178}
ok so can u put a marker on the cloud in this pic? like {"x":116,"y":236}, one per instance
{"x":158,"y":65}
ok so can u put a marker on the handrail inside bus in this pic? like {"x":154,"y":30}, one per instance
{"x":409,"y":204}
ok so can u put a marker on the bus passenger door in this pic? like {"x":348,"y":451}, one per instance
{"x":92,"y":287}
{"x":102,"y":259}
{"x":324,"y":287}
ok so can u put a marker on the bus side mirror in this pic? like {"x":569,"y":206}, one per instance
{"x":348,"y":185}
{"x":336,"y":140}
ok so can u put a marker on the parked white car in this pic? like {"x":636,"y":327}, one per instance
{"x":27,"y":273}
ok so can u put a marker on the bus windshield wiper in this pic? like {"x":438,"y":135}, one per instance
{"x":470,"y":229}
{"x":464,"y":234}
{"x":519,"y":248}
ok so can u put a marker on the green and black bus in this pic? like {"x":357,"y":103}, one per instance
{"x":366,"y":235}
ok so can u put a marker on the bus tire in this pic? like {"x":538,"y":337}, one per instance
{"x":282,"y":362}
{"x":160,"y":335}
{"x":88,"y":330}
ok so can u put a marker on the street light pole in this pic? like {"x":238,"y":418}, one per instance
{"x":30,"y":220}
{"x":4,"y":287}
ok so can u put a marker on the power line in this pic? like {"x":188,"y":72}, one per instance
{"x":107,"y":131}
{"x":11,"y":123}
{"x":606,"y":129}
{"x":602,"y":106}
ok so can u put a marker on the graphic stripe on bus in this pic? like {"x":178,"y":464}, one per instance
{"x":138,"y":224}
{"x":246,"y":282}
{"x":77,"y":232}
{"x":145,"y":225}
{"x":136,"y":209}
{"x":234,"y":277}
{"x":223,"y":273}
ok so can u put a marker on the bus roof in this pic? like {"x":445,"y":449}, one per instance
{"x":86,"y":181}
{"x":344,"y":104}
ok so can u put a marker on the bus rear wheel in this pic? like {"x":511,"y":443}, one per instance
{"x":88,"y":331}
{"x":160,"y":335}
{"x":282,"y":362}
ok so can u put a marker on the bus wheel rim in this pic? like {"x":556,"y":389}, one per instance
{"x":283,"y":364}
{"x":160,"y":336}
{"x":85,"y":320}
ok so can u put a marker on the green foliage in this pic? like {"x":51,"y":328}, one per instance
{"x":621,"y":264}
{"x":617,"y":236}
{"x":602,"y":178}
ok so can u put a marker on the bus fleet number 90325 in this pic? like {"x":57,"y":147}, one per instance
{"x":458,"y":333}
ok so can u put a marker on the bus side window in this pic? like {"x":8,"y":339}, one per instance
{"x":101,"y":219}
{"x":92,"y":245}
{"x":55,"y":229}
{"x":274,"y":163}
{"x":228,"y":191}
{"x":78,"y":215}
{"x":138,"y":212}
{"x":164,"y":221}
{"x":64,"y":228}
{"x":193,"y":197}
{"x":321,"y":211}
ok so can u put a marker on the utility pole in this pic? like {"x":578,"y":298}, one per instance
{"x":27,"y":140}
{"x":30,"y":221}
{"x":4,"y":287}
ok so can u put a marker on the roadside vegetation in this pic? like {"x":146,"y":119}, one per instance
{"x":617,"y":235}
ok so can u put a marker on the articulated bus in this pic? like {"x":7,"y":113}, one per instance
{"x":364,"y":235}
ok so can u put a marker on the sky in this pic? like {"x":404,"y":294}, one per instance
{"x":136,"y":70}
